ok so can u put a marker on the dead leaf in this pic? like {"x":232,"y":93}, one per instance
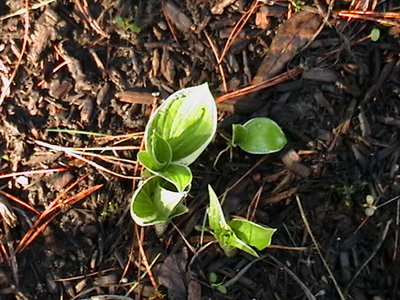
{"x":172,"y":274}
{"x":291,"y":37}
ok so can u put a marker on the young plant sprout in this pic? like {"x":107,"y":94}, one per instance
{"x":369,"y":207}
{"x":175,"y":136}
{"x":237,"y":233}
{"x":178,"y":132}
{"x":259,"y":135}
{"x":219,"y":286}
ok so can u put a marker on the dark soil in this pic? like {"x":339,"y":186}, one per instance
{"x":82,"y":69}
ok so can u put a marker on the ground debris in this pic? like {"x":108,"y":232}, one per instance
{"x":173,"y":275}
{"x":292,"y":35}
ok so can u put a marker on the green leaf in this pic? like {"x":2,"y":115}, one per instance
{"x":216,"y":216}
{"x":134,"y":28}
{"x":187,"y":121}
{"x":120,"y":22}
{"x":179,"y":175}
{"x":375,"y":34}
{"x":221,"y":288}
{"x":226,"y":237}
{"x":149,"y":162}
{"x":180,"y":209}
{"x":152,"y":203}
{"x":259,"y":136}
{"x":213,"y":277}
{"x":239,"y":134}
{"x":160,"y":149}
{"x":239,"y":244}
{"x":252,"y":233}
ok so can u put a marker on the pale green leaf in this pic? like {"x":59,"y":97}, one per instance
{"x":149,"y":162}
{"x":241,"y":245}
{"x":168,"y":203}
{"x":187,"y":121}
{"x":252,"y":233}
{"x":239,"y":133}
{"x":213,"y":277}
{"x":160,"y":149}
{"x":221,"y":288}
{"x":120,"y":22}
{"x":262,"y":136}
{"x":179,"y":175}
{"x":152,"y":203}
{"x":375,"y":34}
{"x":180,"y":209}
{"x":216,"y":216}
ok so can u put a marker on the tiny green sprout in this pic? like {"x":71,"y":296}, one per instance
{"x":258,"y":136}
{"x":369,"y":207}
{"x":375,"y":34}
{"x":213,"y":277}
{"x":237,"y":233}
{"x":218,"y":286}
{"x":112,"y":208}
{"x":126,"y":24}
{"x":298,"y":4}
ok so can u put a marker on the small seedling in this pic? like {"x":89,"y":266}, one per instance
{"x":178,"y":132}
{"x":375,"y":34}
{"x":127,"y":24}
{"x":220,"y":287}
{"x":369,"y":207}
{"x":112,"y":208}
{"x":259,"y":135}
{"x":175,"y":136}
{"x":237,"y":233}
{"x":298,"y":5}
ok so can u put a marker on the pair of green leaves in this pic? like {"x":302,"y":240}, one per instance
{"x":237,"y":233}
{"x":175,"y":136}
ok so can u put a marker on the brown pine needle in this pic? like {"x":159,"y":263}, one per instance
{"x":20,"y":202}
{"x":33,"y":172}
{"x":41,"y":224}
{"x":309,"y":231}
{"x":259,"y":86}
{"x":238,"y":27}
{"x":220,"y":67}
{"x":78,"y":155}
{"x":6,"y":89}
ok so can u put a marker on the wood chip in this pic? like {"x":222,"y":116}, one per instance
{"x":321,"y":75}
{"x":177,"y":17}
{"x":136,"y":97}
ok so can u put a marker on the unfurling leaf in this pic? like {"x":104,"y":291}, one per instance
{"x":237,"y":233}
{"x":187,"y":121}
{"x":153,"y":203}
{"x":252,"y":233}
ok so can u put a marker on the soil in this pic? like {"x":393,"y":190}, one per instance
{"x":101,"y":67}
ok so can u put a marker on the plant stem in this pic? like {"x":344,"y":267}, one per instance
{"x":160,"y":228}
